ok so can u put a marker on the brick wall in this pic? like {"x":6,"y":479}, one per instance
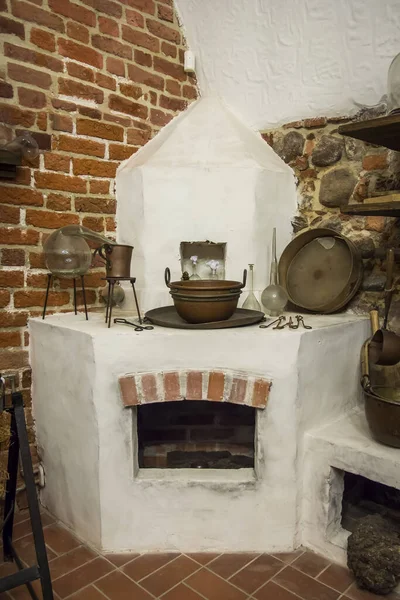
{"x":92,"y":80}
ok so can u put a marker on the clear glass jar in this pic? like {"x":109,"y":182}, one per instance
{"x":393,"y":86}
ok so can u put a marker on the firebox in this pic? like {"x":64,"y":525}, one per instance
{"x":196,"y":434}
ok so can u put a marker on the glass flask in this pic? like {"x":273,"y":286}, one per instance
{"x":274,"y":298}
{"x":67,"y":253}
{"x":118,"y":294}
{"x":251,"y":302}
{"x":393,"y":86}
{"x":194,"y":274}
{"x":213,"y":264}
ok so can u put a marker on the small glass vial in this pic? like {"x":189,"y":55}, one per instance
{"x":393,"y":86}
{"x":213,"y":264}
{"x":194,"y":274}
{"x":251,"y":302}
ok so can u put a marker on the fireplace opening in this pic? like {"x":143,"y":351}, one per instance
{"x":196,"y":434}
{"x":362,"y":497}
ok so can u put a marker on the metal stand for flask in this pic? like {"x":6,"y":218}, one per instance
{"x":111,"y":283}
{"x":82,"y":278}
{"x":19,"y":446}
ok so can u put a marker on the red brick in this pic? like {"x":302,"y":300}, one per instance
{"x":110,"y":224}
{"x":81,"y":72}
{"x":374,"y":162}
{"x":139,"y":38}
{"x":78,"y":145}
{"x":95,"y":205}
{"x":30,"y":13}
{"x":50,"y":220}
{"x":56,"y":162}
{"x":124,"y":121}
{"x":80,"y":53}
{"x":141,"y":76}
{"x":238,"y":390}
{"x":149,"y":388}
{"x":37,"y":280}
{"x":127,"y":106}
{"x":169,"y":49}
{"x":96,"y":168}
{"x":112,"y":46}
{"x":169,"y":68}
{"x":115,"y":66}
{"x":37,"y":260}
{"x":78,"y":32}
{"x":9,"y":214}
{"x":11,"y":279}
{"x":190,"y":92}
{"x":172,"y":389}
{"x":153,"y":97}
{"x":13,"y":319}
{"x":4,"y":301}
{"x":58,"y":202}
{"x":12,"y":257}
{"x":99,"y":186}
{"x":163,"y":31}
{"x":27,"y":75}
{"x":314,"y":122}
{"x":11,"y":359}
{"x":375,"y":223}
{"x":10,"y":339}
{"x":68,"y":87}
{"x":21,"y":237}
{"x":134,"y":18}
{"x":10,"y":27}
{"x":105,"y":6}
{"x":95,"y":224}
{"x":157,"y":117}
{"x":23,"y":176}
{"x":142,"y":58}
{"x":61,"y":122}
{"x":21,"y":196}
{"x":43,"y":39}
{"x":63,"y":105}
{"x":15,"y":116}
{"x":216,"y":384}
{"x":260,"y":393}
{"x":108,"y":26}
{"x":23,"y":299}
{"x":100,"y":130}
{"x":138,"y":137}
{"x":147,"y":6}
{"x":121,"y":151}
{"x":127,"y":386}
{"x":165,"y":13}
{"x":73,"y":11}
{"x":31,"y":98}
{"x":57,"y":181}
{"x":173,"y":87}
{"x":130,"y":90}
{"x":194,"y":385}
{"x":6,"y":90}
{"x":175,"y":104}
{"x":106,"y":82}
{"x":87,"y":111}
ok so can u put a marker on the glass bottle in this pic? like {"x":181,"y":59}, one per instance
{"x":393,"y":86}
{"x":213,"y":264}
{"x":274,"y":298}
{"x":251,"y":302}
{"x":194,"y":274}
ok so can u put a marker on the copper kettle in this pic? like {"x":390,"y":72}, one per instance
{"x":117,"y":258}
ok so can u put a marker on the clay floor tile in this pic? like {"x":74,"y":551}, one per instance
{"x":272,"y":591}
{"x":169,"y":576}
{"x":59,"y":539}
{"x":72,"y":560}
{"x":181,"y":592}
{"x":203,"y":557}
{"x":21,"y":593}
{"x":117,"y":586}
{"x":119,"y":560}
{"x":22,"y":529}
{"x":228,"y":564}
{"x":257,"y":573}
{"x":355,"y":593}
{"x":26,"y":550}
{"x":337,"y":577}
{"x":147,"y":563}
{"x":83,"y":576}
{"x":304,"y":586}
{"x":88,"y":593}
{"x":213,"y":587}
{"x":288,"y":557}
{"x":310,"y":563}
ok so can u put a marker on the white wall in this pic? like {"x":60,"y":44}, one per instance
{"x":275,"y":61}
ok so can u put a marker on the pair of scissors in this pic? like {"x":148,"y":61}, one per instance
{"x":135,"y":325}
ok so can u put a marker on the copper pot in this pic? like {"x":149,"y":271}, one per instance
{"x":117,"y":258}
{"x":205,"y":300}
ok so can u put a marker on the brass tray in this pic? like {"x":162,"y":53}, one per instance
{"x":166,"y":316}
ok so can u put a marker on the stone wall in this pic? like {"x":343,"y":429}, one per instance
{"x":92,"y":80}
{"x":331,"y":171}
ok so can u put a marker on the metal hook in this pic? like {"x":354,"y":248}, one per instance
{"x":279,"y":320}
{"x":300,"y":319}
{"x":135,"y":325}
{"x":279,"y":323}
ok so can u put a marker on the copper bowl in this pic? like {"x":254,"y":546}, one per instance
{"x":205,"y":300}
{"x":382,"y":409}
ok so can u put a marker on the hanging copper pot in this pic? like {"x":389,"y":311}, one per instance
{"x":117,"y":258}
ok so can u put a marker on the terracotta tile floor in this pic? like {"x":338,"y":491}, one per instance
{"x":79,"y":573}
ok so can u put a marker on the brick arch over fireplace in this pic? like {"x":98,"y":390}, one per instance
{"x":215,"y":385}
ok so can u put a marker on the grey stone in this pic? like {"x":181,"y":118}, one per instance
{"x":371,"y":112}
{"x":355,"y":149}
{"x":332,"y":223}
{"x":292,"y":146}
{"x":374,"y":283}
{"x":337,"y":187}
{"x":364,"y":244}
{"x":299,"y":223}
{"x":327,"y":152}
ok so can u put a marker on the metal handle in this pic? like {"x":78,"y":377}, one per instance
{"x":389,"y":285}
{"x":167,"y":276}
{"x":108,"y":249}
{"x":374,"y":318}
{"x":365,"y":380}
{"x":244,"y":278}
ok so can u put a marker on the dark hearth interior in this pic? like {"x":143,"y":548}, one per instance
{"x":196,"y":434}
{"x":363,"y":497}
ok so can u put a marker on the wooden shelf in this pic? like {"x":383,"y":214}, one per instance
{"x":377,"y":209}
{"x":383,"y":131}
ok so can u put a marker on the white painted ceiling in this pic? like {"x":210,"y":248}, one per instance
{"x":274,"y":61}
